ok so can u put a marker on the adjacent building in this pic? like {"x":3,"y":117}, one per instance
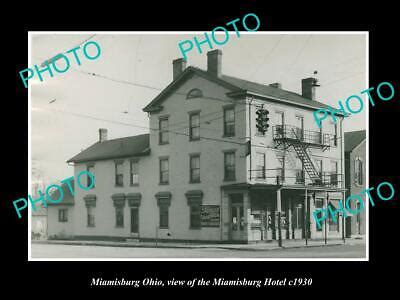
{"x":355,"y":169}
{"x":208,"y":172}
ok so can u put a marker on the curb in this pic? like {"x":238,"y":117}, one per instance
{"x":188,"y":246}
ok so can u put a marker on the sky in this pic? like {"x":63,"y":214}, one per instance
{"x":68,"y":109}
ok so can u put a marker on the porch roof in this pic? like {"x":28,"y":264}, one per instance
{"x":264,"y":186}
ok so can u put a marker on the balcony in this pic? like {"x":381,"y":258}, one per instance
{"x":287,"y":135}
{"x":295,"y":177}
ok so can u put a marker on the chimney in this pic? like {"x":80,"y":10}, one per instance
{"x":102,"y":135}
{"x":276,"y":85}
{"x":214,"y":62}
{"x":308,"y":87}
{"x":179,"y":65}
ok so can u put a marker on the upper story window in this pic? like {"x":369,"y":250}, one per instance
{"x":164,"y":171}
{"x":163,"y":130}
{"x":88,"y":178}
{"x":134,"y":172}
{"x":229,"y":121}
{"x":194,"y":93}
{"x":260,"y":165}
{"x":195,"y":168}
{"x":358,"y":171}
{"x":119,"y":174}
{"x":194,"y":126}
{"x":229,"y":166}
{"x":335,"y":134}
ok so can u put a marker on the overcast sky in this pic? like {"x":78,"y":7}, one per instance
{"x":69,"y":124}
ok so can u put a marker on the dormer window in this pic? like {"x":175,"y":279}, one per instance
{"x":195,"y":93}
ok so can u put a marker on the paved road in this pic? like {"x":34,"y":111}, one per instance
{"x":72,"y":251}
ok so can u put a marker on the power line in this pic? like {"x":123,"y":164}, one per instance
{"x":267,"y":56}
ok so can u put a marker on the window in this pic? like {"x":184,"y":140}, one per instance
{"x":319,"y":203}
{"x":119,"y":217}
{"x":298,"y":216}
{"x":88,"y":178}
{"x":334,"y":172}
{"x":90,"y":216}
{"x":318,"y":166}
{"x":163,"y":215}
{"x":229,"y":121}
{"x":164,"y":171}
{"x":333,"y":226}
{"x":335,"y":134}
{"x":358,"y":171}
{"x":195,"y":168}
{"x":260,"y":167}
{"x":119,"y":174}
{"x":194,"y":126}
{"x":134,"y":172}
{"x":229,"y":166}
{"x":300,"y":127}
{"x":195,"y":93}
{"x":195,"y":216}
{"x":281,"y":169}
{"x":163,"y":130}
{"x":63,"y":215}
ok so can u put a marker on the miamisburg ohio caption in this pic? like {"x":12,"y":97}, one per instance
{"x":191,"y":283}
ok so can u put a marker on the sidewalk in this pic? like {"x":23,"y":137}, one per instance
{"x":286,"y":244}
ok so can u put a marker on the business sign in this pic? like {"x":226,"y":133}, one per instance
{"x":210,"y":216}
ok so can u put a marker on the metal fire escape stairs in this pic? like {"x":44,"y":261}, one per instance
{"x":308,"y":166}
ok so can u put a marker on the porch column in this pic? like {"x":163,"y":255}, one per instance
{"x":311,"y":208}
{"x":279,"y":210}
{"x":325,"y":206}
{"x":343,"y":218}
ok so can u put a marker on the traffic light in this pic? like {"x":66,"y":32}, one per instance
{"x":262,"y":120}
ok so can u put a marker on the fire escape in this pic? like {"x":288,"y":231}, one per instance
{"x":286,"y":136}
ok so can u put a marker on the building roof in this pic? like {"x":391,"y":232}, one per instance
{"x":117,"y":148}
{"x":352,"y":139}
{"x":237,"y":85}
{"x":68,"y":199}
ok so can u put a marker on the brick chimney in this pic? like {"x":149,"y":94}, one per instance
{"x":308,"y":88}
{"x":179,"y":65}
{"x":214,"y":62}
{"x":102,"y":135}
{"x":276,"y":85}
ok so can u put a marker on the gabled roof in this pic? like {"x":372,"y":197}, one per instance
{"x":352,"y":139}
{"x":118,"y":148}
{"x":236,"y":85}
{"x":68,"y":199}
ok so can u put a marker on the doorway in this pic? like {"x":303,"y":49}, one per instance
{"x":134,"y":220}
{"x":237,"y":225}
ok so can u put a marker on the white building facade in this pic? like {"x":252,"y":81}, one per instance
{"x":206,"y":173}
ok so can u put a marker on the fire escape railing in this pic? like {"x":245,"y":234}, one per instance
{"x":290,"y":134}
{"x":288,"y":176}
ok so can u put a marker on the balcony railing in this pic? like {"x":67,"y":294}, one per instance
{"x":286,"y":176}
{"x":293,"y":133}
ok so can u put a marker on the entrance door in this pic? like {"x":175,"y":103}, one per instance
{"x":299,"y":127}
{"x":237,"y":217}
{"x":134,"y":220}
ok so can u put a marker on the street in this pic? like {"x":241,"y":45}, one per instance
{"x":79,"y":251}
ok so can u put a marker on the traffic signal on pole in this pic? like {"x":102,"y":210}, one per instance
{"x":262,"y":120}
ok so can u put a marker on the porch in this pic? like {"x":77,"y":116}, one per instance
{"x":263,"y":213}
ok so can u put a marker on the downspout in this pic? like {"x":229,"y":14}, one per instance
{"x":343,"y":176}
{"x":250,"y":165}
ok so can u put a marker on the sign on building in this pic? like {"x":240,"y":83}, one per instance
{"x":210,"y":215}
